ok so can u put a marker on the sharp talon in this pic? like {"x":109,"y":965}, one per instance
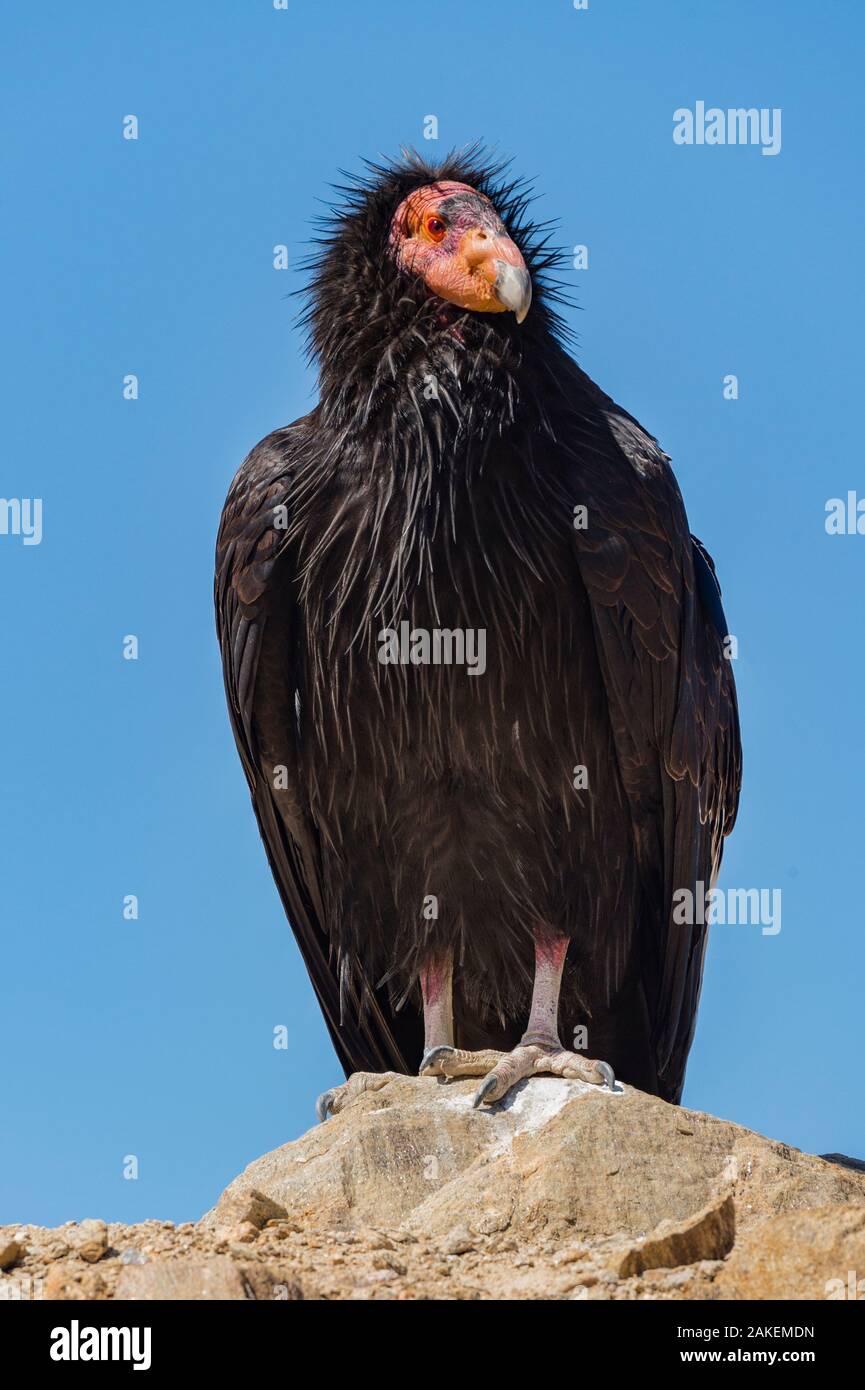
{"x":432,"y":1056}
{"x":322,"y":1106}
{"x":607,"y":1073}
{"x":483,"y":1091}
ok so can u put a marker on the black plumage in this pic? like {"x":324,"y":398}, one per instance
{"x":436,"y":482}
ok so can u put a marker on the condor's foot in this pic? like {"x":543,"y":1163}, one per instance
{"x":502,"y":1070}
{"x":331,"y":1102}
{"x":454,"y":1061}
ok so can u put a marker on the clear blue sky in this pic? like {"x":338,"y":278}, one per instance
{"x":154,"y":257}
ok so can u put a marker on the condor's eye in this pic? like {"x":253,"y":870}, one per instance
{"x":435,"y":228}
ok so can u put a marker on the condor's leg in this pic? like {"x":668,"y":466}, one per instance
{"x":440,"y":1057}
{"x":437,"y":989}
{"x":438,"y":1026}
{"x":540,"y":1048}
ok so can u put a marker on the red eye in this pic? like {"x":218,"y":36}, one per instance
{"x":436,"y":228}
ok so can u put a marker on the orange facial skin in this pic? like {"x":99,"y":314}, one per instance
{"x":452,"y":237}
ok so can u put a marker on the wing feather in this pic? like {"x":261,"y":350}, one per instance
{"x":659,"y":630}
{"x":258,"y":625}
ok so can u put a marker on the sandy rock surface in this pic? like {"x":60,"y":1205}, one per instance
{"x":563,"y":1192}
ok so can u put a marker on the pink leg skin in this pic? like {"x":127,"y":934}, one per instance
{"x":543,"y":1024}
{"x":540,"y":1049}
{"x":436,"y":984}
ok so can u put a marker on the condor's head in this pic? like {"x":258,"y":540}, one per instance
{"x":429,"y":268}
{"x":451,"y":236}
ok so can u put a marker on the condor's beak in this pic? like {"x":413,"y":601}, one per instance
{"x":513,"y":288}
{"x":501,"y":264}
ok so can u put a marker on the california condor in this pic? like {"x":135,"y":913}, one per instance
{"x":478,"y":865}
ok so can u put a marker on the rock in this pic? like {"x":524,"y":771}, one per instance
{"x":10,"y":1251}
{"x":458,"y":1242}
{"x":570,"y":1256}
{"x":272,"y":1285}
{"x":857,"y":1164}
{"x":70,"y":1281}
{"x":241,"y":1234}
{"x":385,"y":1260}
{"x":801,"y":1254}
{"x":90,"y":1241}
{"x":559,"y":1160}
{"x":190,"y":1279}
{"x":249,"y":1206}
{"x":491,"y":1222}
{"x":707,"y":1235}
{"x":376,"y":1240}
{"x":56,"y":1249}
{"x":563,"y":1192}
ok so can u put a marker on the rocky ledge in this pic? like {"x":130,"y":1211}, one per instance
{"x":564,"y":1191}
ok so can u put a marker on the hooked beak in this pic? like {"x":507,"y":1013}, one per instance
{"x":513,"y":288}
{"x":498,"y":261}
